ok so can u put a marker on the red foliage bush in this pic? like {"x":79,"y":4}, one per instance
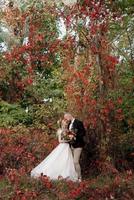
{"x":22,"y":149}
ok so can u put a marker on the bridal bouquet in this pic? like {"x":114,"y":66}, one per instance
{"x":72,"y":135}
{"x":69,"y":135}
{"x":66,"y":135}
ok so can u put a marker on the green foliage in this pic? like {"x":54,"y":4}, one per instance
{"x":43,"y":72}
{"x":45,"y":115}
{"x":13,"y":114}
{"x":125,"y":6}
{"x":122,"y":148}
{"x":127,"y":144}
{"x":47,"y":85}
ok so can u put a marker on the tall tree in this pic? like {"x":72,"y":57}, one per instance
{"x":32,"y":61}
{"x":90,"y":68}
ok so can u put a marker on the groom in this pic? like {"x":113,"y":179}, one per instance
{"x":77,"y":127}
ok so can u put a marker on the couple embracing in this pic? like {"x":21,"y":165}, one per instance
{"x":63,"y":161}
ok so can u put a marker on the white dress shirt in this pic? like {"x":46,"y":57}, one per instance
{"x":71,"y":124}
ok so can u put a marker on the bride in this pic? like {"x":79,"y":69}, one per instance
{"x":59,"y":163}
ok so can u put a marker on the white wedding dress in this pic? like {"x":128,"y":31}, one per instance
{"x":58,"y":164}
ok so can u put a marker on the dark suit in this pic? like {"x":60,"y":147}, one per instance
{"x":79,"y":130}
{"x":77,"y":144}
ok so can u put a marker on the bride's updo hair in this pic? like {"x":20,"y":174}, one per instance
{"x":59,"y":122}
{"x":63,"y":126}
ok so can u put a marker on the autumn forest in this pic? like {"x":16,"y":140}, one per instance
{"x":67,"y":56}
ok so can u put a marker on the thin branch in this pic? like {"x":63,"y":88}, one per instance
{"x":122,"y":53}
{"x":130,"y":44}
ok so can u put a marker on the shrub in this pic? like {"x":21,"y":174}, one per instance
{"x":23,"y":147}
{"x":13,"y":114}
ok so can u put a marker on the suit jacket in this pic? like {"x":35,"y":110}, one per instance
{"x":79,"y":130}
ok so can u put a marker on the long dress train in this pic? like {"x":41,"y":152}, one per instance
{"x":59,"y":163}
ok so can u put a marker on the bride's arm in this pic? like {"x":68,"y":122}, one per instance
{"x":60,"y":139}
{"x":59,"y":134}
